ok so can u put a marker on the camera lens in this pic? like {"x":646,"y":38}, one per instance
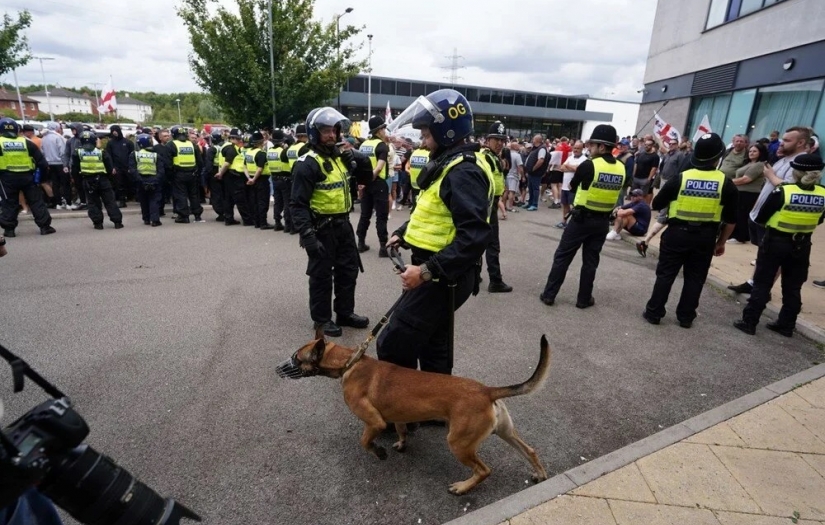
{"x":97,"y":491}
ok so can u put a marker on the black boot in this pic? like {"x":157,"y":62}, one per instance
{"x":499,"y":287}
{"x":362,"y":247}
{"x":279,"y":226}
{"x":156,"y":223}
{"x":779,"y":329}
{"x":330,"y":329}
{"x":748,"y":328}
{"x":182,"y":220}
{"x":98,"y":226}
{"x":267,"y":226}
{"x":118,"y":225}
{"x":382,"y":252}
{"x":353,"y":320}
{"x":47,"y":230}
{"x":121,"y":204}
{"x":9,"y":232}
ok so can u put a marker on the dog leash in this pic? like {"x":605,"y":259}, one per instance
{"x":400,"y":267}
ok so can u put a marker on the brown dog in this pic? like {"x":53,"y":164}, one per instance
{"x":377,"y":392}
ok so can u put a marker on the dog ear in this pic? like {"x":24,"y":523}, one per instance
{"x":319,"y":332}
{"x":318,"y":350}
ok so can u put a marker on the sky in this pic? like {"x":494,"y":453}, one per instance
{"x":593,"y":47}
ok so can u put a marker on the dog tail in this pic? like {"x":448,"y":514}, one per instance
{"x":532,"y":384}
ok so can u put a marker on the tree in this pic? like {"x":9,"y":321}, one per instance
{"x":230,"y":58}
{"x":14,"y":46}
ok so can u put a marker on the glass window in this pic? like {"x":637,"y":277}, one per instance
{"x":581,"y":105}
{"x":749,"y":6}
{"x":561,"y":103}
{"x":541,"y":101}
{"x":571,"y":103}
{"x":431,"y":88}
{"x":519,"y":99}
{"x":785,"y":106}
{"x":819,"y":121}
{"x":472,"y":95}
{"x":716,"y":15}
{"x":715,"y":107}
{"x":551,"y":102}
{"x":530,"y":100}
{"x":402,"y":89}
{"x":739,"y":115}
{"x":484,"y":95}
{"x":388,"y":87}
{"x":461,"y":90}
{"x":495,"y":97}
{"x":357,"y":85}
{"x":507,"y":98}
{"x":417,"y":89}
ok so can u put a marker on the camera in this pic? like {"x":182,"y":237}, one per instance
{"x":44,"y":448}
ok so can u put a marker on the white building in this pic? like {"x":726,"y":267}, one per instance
{"x":133,"y":108}
{"x":63,"y":101}
{"x":751,"y":66}
{"x":624,"y":116}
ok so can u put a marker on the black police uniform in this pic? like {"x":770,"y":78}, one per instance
{"x":282,"y":187}
{"x":217,"y":197}
{"x":586,"y":229}
{"x":235,"y":187}
{"x":336,"y":266}
{"x":186,"y":184}
{"x":258,"y":193}
{"x":149,"y":193}
{"x":100,"y":193}
{"x":13,"y":183}
{"x":375,"y":197}
{"x":418,"y":333}
{"x":491,"y":255}
{"x":686,"y":246}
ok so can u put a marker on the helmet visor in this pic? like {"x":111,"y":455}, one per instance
{"x":330,"y":117}
{"x":419,"y":114}
{"x":408,"y":133}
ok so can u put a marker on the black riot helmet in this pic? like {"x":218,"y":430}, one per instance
{"x":217,"y":137}
{"x":325,"y":117}
{"x":88,"y":140}
{"x":179,"y":133}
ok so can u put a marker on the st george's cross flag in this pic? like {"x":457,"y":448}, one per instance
{"x":704,"y":128}
{"x":108,"y":102}
{"x":664,"y":130}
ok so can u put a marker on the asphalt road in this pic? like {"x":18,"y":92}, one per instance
{"x":167,"y":338}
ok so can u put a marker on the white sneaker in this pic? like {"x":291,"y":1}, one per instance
{"x":613,"y":236}
{"x":734,"y":241}
{"x":394,"y":207}
{"x":753,"y":262}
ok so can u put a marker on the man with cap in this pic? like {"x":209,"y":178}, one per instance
{"x":232,"y":173}
{"x":289,"y":157}
{"x":18,"y":159}
{"x":257,"y":171}
{"x":492,"y":152}
{"x":698,"y":201}
{"x":790,"y":215}
{"x":212,"y":162}
{"x":320,"y":203}
{"x":281,"y":181}
{"x":597,"y":184}
{"x":186,"y":163}
{"x":634,"y":217}
{"x":448,"y":231}
{"x":376,"y":191}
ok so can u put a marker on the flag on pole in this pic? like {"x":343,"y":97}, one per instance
{"x":704,"y":127}
{"x":108,"y":102}
{"x":388,"y":115}
{"x":664,"y":130}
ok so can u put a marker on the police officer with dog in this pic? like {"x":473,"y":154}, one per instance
{"x":701,"y":206}
{"x":18,"y":159}
{"x":597,"y":183}
{"x":447,"y":232}
{"x":320,"y":206}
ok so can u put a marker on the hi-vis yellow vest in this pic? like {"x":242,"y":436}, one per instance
{"x":273,"y":159}
{"x":292,"y":154}
{"x":420,"y":157}
{"x":91,"y":162}
{"x":331,"y":195}
{"x":147,"y":163}
{"x":495,"y":168}
{"x":251,"y":167}
{"x":431,"y":224}
{"x":237,"y":163}
{"x":15,"y":157}
{"x":217,"y":161}
{"x":608,"y":181}
{"x":368,"y":149}
{"x":700,"y":197}
{"x":185,"y":159}
{"x":801,"y":211}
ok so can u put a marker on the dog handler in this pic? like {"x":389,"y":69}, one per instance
{"x":448,"y":232}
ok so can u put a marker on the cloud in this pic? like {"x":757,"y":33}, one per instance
{"x":595,"y":47}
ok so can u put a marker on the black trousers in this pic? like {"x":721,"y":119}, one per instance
{"x":282,"y":187}
{"x":217,"y":196}
{"x":376,"y":195}
{"x":746,"y":201}
{"x":494,"y":246}
{"x":690,"y":250}
{"x":793,"y":257}
{"x":235,"y":183}
{"x":186,"y":193}
{"x":337,"y":269}
{"x":11,"y":185}
{"x":257,"y":197}
{"x":61,"y":184}
{"x":150,"y":196}
{"x":80,"y":187}
{"x":418,"y":332}
{"x":587,"y":233}
{"x":122,"y":184}
{"x":100,"y":193}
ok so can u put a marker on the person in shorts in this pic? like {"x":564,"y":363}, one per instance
{"x":633,"y":217}
{"x":568,"y":169}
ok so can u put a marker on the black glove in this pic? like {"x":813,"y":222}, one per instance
{"x":149,"y":188}
{"x":348,"y":158}
{"x":313,"y":246}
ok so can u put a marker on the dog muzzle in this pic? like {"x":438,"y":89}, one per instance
{"x":290,"y":369}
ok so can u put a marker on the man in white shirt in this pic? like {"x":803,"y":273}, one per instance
{"x":514,"y":176}
{"x":569,"y":169}
{"x":554,"y":179}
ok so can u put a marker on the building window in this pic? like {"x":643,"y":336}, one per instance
{"x":561,"y":103}
{"x":495,"y":97}
{"x":530,"y":100}
{"x":715,"y":107}
{"x":402,"y":89}
{"x":417,"y":89}
{"x":507,"y":98}
{"x":571,"y":103}
{"x":357,"y":85}
{"x":739,"y":114}
{"x":541,"y":101}
{"x":519,"y":100}
{"x":551,"y":102}
{"x":431,"y":88}
{"x":785,"y":106}
{"x":722,"y":11}
{"x":581,"y":104}
{"x":388,"y":87}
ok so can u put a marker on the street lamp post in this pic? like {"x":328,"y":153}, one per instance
{"x":46,"y":86}
{"x":369,"y":79}
{"x":338,"y":38}
{"x":271,"y":66}
{"x":180,"y":121}
{"x":97,"y":100}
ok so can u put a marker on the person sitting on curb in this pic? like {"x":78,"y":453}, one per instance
{"x":633,"y":217}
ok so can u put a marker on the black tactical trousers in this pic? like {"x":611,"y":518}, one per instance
{"x":100,"y":193}
{"x":376,"y":195}
{"x":258,"y":200}
{"x":150,"y":197}
{"x":186,"y":193}
{"x":337,"y":268}
{"x":235,"y":183}
{"x":587,"y":233}
{"x":282,"y":188}
{"x":11,"y":185}
{"x":217,"y":196}
{"x":494,"y":246}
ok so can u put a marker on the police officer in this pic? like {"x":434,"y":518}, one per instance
{"x":212,"y":162}
{"x":448,"y":231}
{"x":320,"y":212}
{"x":94,"y":167}
{"x":376,"y":191}
{"x":290,"y":156}
{"x":418,"y":160}
{"x":494,"y":144}
{"x":698,"y":200}
{"x":257,"y":171}
{"x":597,"y":183}
{"x":791,"y":214}
{"x":232,"y":173}
{"x":281,"y":182}
{"x":186,"y":164}
{"x":18,"y":159}
{"x":146,"y":168}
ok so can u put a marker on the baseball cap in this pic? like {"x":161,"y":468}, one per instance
{"x":637,"y":193}
{"x":624,"y":142}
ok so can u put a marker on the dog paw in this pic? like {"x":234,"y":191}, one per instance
{"x":400,"y":446}
{"x":380,"y":452}
{"x":458,"y":488}
{"x":537,"y":478}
